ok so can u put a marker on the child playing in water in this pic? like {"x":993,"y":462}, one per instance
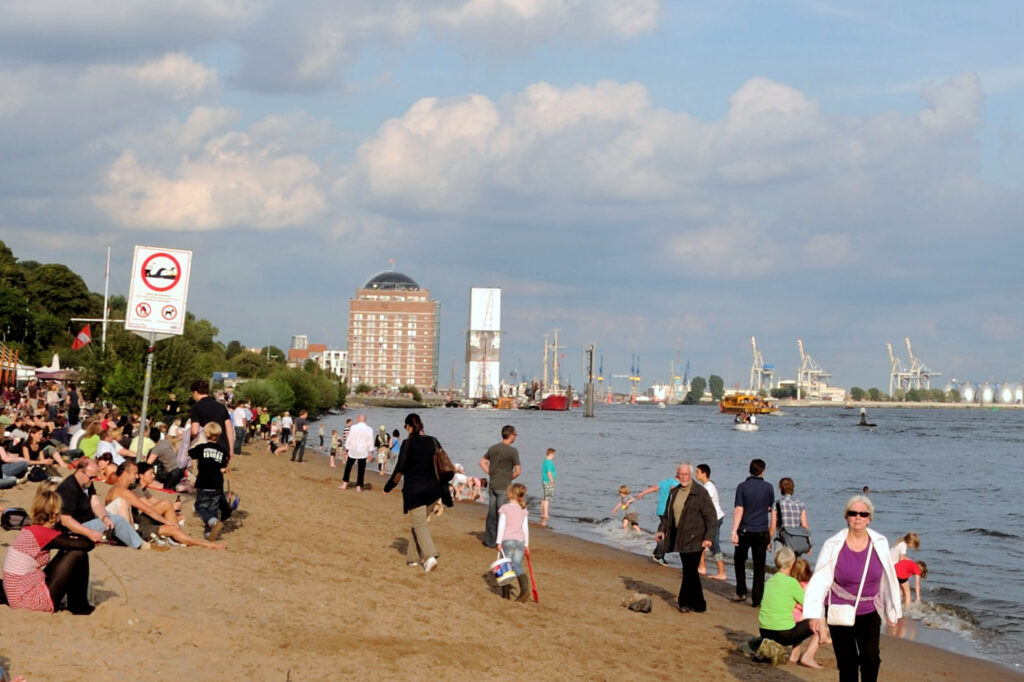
{"x":514,"y":537}
{"x":631,"y":518}
{"x":899,"y":550}
{"x":904,"y":570}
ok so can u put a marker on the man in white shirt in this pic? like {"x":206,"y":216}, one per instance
{"x":239,"y":419}
{"x":358,"y":447}
{"x":704,"y":478}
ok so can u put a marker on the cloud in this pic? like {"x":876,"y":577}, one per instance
{"x":310,"y":46}
{"x":235,"y":180}
{"x":73,"y":32}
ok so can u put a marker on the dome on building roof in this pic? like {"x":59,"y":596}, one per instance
{"x":391,"y":281}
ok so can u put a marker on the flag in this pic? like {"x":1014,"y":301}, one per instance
{"x":83,"y":339}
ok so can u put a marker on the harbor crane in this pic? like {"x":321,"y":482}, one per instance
{"x":899,"y":376}
{"x":762,"y":376}
{"x":810,"y":372}
{"x":920,"y":374}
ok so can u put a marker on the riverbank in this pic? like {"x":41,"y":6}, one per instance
{"x":314,"y":586}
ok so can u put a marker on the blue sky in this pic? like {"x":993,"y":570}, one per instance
{"x":642,"y":175}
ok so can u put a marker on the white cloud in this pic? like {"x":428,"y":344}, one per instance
{"x":234,"y":181}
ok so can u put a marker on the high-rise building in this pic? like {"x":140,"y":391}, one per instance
{"x":393,"y":333}
{"x":300,"y":342}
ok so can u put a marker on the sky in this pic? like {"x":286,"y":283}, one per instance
{"x":657,"y":178}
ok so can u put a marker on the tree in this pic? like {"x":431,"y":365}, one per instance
{"x":954,"y":396}
{"x":275,"y":354}
{"x":913,"y":396}
{"x":57,"y":290}
{"x":875,"y":394}
{"x":784,"y":392}
{"x":412,"y":390}
{"x":857,"y":393}
{"x":233,"y":349}
{"x":717,"y":387}
{"x":363,"y":388}
{"x":696,"y":392}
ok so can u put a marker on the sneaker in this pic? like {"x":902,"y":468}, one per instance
{"x":215,"y":531}
{"x":659,"y":560}
{"x":429,"y":564}
{"x":412,"y":563}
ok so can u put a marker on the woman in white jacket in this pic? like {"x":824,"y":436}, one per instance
{"x":849,"y":559}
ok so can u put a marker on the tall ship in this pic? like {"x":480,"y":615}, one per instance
{"x":554,"y":398}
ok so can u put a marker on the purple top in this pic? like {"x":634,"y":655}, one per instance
{"x":849,"y":569}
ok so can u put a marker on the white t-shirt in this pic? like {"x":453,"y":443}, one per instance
{"x":238,"y":417}
{"x":713,"y":492}
{"x":112,"y":448}
{"x":286,"y":422}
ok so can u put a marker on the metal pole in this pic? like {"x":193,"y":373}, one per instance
{"x":588,"y":404}
{"x":106,"y":296}
{"x":145,"y":395}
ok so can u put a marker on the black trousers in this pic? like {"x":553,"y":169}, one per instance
{"x":67,"y":574}
{"x":691,"y":593}
{"x":791,"y":637}
{"x":361,"y":470}
{"x":856,"y":648}
{"x":756,"y":543}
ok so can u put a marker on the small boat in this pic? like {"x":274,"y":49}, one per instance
{"x":745,"y":403}
{"x":745,"y":426}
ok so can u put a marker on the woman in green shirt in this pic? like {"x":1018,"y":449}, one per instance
{"x":781,"y":594}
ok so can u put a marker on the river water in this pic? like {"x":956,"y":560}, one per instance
{"x":952,"y":476}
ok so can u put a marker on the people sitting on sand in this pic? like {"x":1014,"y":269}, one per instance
{"x":83,"y":511}
{"x":276,"y":448}
{"x":464,"y":486}
{"x":155,"y":518}
{"x":107,"y":469}
{"x":775,"y":619}
{"x":38,"y":454}
{"x":34,"y":580}
{"x":164,"y":457}
{"x":109,"y":443}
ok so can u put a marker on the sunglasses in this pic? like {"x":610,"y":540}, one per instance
{"x":864,"y":515}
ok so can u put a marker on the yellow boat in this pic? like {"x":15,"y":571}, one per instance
{"x":744,"y":403}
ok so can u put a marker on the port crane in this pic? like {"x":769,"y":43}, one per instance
{"x":899,"y":376}
{"x":920,"y":374}
{"x":762,"y":376}
{"x":810,"y":372}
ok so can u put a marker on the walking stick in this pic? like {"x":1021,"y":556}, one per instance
{"x":533,"y":582}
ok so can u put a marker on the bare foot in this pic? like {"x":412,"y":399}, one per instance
{"x":702,"y":571}
{"x":810,"y":663}
{"x":718,"y":576}
{"x":344,"y":485}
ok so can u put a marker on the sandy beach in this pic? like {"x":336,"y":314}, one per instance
{"x":314,"y":586}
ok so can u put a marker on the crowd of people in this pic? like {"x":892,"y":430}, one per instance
{"x":68,"y":447}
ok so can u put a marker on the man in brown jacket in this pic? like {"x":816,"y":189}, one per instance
{"x":688,"y":527}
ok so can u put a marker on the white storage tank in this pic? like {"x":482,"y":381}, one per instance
{"x":967,"y":393}
{"x":1004,"y":394}
{"x":986,"y":393}
{"x":1018,"y":393}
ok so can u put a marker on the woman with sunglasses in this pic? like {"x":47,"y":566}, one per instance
{"x":855,"y":568}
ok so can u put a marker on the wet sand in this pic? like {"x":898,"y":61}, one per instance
{"x":314,"y":586}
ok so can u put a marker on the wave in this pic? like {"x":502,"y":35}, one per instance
{"x":991,"y":533}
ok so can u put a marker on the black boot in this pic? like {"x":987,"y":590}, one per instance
{"x":506,"y":591}
{"x":524,"y":587}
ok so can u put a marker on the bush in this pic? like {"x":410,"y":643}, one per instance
{"x":415,"y":392}
{"x":363,"y":388}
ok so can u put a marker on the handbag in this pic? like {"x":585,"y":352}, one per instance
{"x":846,"y":614}
{"x":797,"y":539}
{"x":444,"y":470}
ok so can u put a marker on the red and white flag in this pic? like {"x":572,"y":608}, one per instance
{"x":83,"y":339}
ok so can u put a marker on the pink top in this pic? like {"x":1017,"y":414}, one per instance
{"x":512,"y":523}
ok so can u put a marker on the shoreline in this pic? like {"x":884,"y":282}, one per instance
{"x":314,"y":586}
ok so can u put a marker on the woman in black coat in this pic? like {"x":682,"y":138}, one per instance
{"x":420,"y":491}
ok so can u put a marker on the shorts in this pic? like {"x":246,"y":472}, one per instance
{"x":549,"y":491}
{"x":902,"y":580}
{"x":148,"y":527}
{"x":633,"y":518}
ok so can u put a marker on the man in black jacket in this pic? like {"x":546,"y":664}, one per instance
{"x":688,"y":527}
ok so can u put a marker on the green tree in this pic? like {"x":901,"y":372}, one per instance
{"x":696,"y":392}
{"x":234,"y":348}
{"x":276,"y":355}
{"x":415,"y":392}
{"x":717,"y":387}
{"x":784,"y":392}
{"x":363,"y":388}
{"x":875,"y":394}
{"x":342,"y":393}
{"x":913,"y":396}
{"x":954,"y":396}
{"x":857,"y":393}
{"x":57,"y":290}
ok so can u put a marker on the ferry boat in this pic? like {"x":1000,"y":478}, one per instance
{"x":745,"y":403}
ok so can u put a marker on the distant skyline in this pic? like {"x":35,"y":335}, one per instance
{"x":642,"y":175}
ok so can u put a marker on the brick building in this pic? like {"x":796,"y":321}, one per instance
{"x":393,"y":333}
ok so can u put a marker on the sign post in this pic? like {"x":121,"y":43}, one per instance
{"x":156,"y":306}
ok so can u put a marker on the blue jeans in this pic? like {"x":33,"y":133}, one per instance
{"x":495,"y":498}
{"x":239,"y":439}
{"x":716,"y":546}
{"x":209,"y":504}
{"x":122,"y":530}
{"x":514,"y":551}
{"x":300,"y":446}
{"x":16,"y":469}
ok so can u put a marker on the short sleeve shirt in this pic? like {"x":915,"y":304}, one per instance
{"x":210,"y":459}
{"x":548,"y":467}
{"x":76,"y":500}
{"x":790,"y":509}
{"x":757,"y":497}
{"x":209,"y":410}
{"x":503,"y":459}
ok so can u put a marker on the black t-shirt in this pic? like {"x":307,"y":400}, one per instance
{"x":75,"y":500}
{"x":209,"y":410}
{"x":171,"y":408}
{"x":210,"y":459}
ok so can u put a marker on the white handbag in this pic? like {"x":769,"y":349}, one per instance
{"x":846,"y":614}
